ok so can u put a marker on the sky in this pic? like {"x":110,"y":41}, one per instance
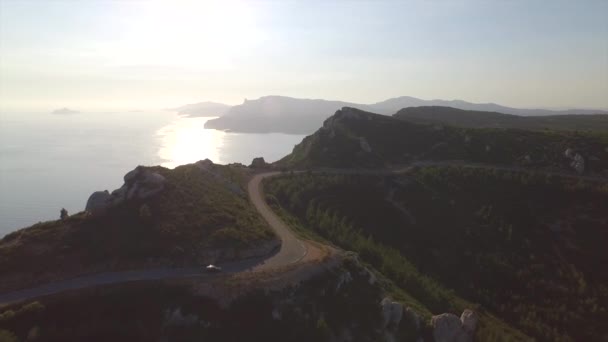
{"x":136,"y":55}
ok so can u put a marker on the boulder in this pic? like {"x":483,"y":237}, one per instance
{"x":149,"y":185}
{"x":139,"y":184}
{"x":98,"y":202}
{"x":578,"y":164}
{"x":448,"y":327}
{"x":413,"y":317}
{"x":205,"y":165}
{"x":469,"y":321}
{"x":258,"y":162}
{"x":391,"y":312}
{"x":119,"y":195}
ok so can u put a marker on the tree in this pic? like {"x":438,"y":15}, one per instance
{"x":63,"y":214}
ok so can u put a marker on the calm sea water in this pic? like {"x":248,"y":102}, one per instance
{"x":51,"y":161}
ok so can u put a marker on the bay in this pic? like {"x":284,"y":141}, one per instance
{"x":49,"y":162}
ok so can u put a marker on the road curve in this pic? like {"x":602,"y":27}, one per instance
{"x":291,"y":251}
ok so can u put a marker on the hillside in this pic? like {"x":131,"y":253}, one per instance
{"x":354,"y":138}
{"x":481,"y":119}
{"x":528,"y":248}
{"x":200,"y":215}
{"x":346,"y":302}
{"x":289,"y":115}
{"x":277,"y":114}
{"x":398,"y":103}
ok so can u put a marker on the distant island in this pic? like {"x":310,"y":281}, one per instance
{"x":64,"y":111}
{"x":281,"y":114}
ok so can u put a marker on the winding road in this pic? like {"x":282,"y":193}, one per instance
{"x":292,"y":249}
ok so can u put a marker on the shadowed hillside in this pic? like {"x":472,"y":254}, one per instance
{"x":201,"y":215}
{"x":479,"y":119}
{"x":354,"y":138}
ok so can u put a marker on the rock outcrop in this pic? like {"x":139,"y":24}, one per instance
{"x":391,"y":312}
{"x":577,"y":161}
{"x":344,"y":278}
{"x":98,"y":202}
{"x":469,"y":321}
{"x":448,"y":327}
{"x":413,"y":316}
{"x":140,"y":184}
{"x":258,"y":163}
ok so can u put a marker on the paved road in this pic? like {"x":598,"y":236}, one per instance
{"x":291,"y":251}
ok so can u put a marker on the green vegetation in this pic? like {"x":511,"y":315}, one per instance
{"x":343,"y":139}
{"x":479,"y":119}
{"x":319,"y":309}
{"x":197,"y":211}
{"x":528,"y":248}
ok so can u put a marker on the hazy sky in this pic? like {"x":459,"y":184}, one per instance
{"x":93,"y":55}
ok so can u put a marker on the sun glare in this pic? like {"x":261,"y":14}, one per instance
{"x":186,"y":141}
{"x":187,"y":34}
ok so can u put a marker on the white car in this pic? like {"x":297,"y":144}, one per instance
{"x":212,"y":268}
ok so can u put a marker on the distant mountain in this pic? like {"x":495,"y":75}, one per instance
{"x":278,"y":114}
{"x":482,"y":119}
{"x":394,"y":104}
{"x":64,"y":111}
{"x":203,"y":109}
{"x":302,"y":116}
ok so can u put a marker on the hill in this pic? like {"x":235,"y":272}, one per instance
{"x":528,"y":248}
{"x":354,"y":138}
{"x":397,"y":103}
{"x":277,"y":114}
{"x":481,"y":119}
{"x":200,"y":215}
{"x":203,"y":109}
{"x":302,"y":116}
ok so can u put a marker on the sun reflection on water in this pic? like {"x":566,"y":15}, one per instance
{"x":186,"y":140}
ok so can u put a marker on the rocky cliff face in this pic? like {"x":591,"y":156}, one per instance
{"x":354,"y":138}
{"x":140,"y":184}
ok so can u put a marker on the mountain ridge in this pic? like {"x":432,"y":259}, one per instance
{"x":283,"y":114}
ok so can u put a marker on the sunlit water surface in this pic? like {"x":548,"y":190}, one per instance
{"x":51,"y":161}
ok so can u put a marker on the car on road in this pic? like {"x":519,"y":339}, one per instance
{"x":212,"y":268}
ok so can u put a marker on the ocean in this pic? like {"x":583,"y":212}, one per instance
{"x":49,"y":162}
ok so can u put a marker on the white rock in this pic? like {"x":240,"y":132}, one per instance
{"x":569,"y":153}
{"x":578,"y":163}
{"x":447,"y":327}
{"x":469,"y":321}
{"x":391,"y":312}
